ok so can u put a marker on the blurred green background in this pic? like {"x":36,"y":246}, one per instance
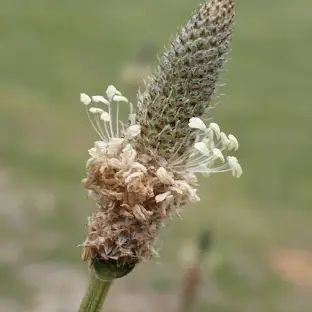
{"x":53,"y":50}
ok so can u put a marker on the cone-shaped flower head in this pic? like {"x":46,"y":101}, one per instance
{"x":185,"y":80}
{"x":141,"y":172}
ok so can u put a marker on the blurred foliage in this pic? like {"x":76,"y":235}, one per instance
{"x":53,"y":50}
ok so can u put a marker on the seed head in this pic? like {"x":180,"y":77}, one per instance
{"x":142,"y":172}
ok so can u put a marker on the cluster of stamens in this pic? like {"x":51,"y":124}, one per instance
{"x":102,"y":120}
{"x":137,"y":191}
{"x":208,"y":149}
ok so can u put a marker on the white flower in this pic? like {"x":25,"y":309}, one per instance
{"x":106,"y":123}
{"x":233,"y":143}
{"x":218,"y":154}
{"x":197,"y":123}
{"x":235,"y":166}
{"x":99,"y":150}
{"x":96,"y":110}
{"x":114,"y":147}
{"x":120,"y":98}
{"x":209,"y":142}
{"x":215,"y":128}
{"x":201,"y":168}
{"x":111,"y":92}
{"x":133,"y":131}
{"x":202,"y":148}
{"x":100,"y":146}
{"x":209,"y":147}
{"x":85,"y":99}
{"x":105,"y":116}
{"x":224,"y":140}
{"x":99,"y":99}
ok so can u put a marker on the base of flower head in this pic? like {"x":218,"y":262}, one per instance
{"x":133,"y":199}
{"x":108,"y":270}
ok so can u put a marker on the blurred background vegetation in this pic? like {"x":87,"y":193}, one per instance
{"x":53,"y":50}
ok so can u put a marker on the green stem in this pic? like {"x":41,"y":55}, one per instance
{"x":95,"y":296}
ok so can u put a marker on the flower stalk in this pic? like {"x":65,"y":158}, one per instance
{"x":95,"y":295}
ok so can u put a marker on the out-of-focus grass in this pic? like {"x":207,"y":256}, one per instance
{"x":53,"y":50}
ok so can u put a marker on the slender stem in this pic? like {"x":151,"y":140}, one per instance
{"x":95,"y":295}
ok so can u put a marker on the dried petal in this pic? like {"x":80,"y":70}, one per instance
{"x":161,"y":197}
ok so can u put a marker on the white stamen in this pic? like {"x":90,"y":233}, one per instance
{"x":99,"y":99}
{"x":210,"y":144}
{"x":105,"y":116}
{"x":120,"y":98}
{"x":234,"y":166}
{"x":111,"y":92}
{"x":95,"y":126}
{"x":233,"y":143}
{"x":85,"y":99}
{"x":102,"y":120}
{"x":217,"y":154}
{"x":96,"y":110}
{"x":197,"y":123}
{"x":100,"y":146}
{"x":206,"y":151}
{"x":216,"y":129}
{"x":201,"y":168}
{"x":224,"y":140}
{"x":202,"y":148}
